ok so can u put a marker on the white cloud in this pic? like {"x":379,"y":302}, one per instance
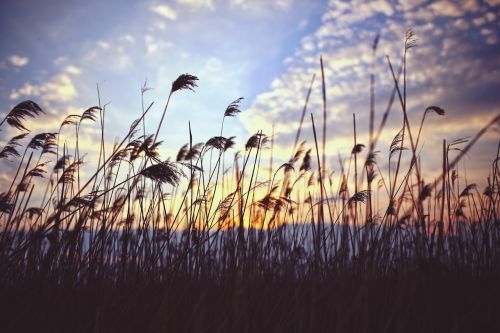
{"x":154,"y":45}
{"x":344,"y":40}
{"x":128,"y":38}
{"x":259,"y":5}
{"x":198,"y":3}
{"x":71,"y":69}
{"x":165,"y":11}
{"x":303,"y":24}
{"x":410,"y":4}
{"x":447,"y":8}
{"x":104,"y":45}
{"x":18,"y":61}
{"x":59,"y":88}
{"x":493,"y":2}
{"x":490,"y":16}
{"x":59,"y":61}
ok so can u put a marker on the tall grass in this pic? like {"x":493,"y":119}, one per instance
{"x":146,"y":244}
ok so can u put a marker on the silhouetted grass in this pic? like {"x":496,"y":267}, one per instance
{"x":146,"y":244}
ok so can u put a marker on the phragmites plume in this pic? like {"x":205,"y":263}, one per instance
{"x":426,"y":192}
{"x":72,"y":119}
{"x":181,"y":155}
{"x":312,"y":180}
{"x":62,"y":162}
{"x":10,"y":148}
{"x":298,"y":154}
{"x":220,"y":143}
{"x":410,"y":40}
{"x":133,"y":127}
{"x":45,"y":141}
{"x":391,"y":209}
{"x":357,"y":148}
{"x":234,"y":108}
{"x":358,"y":197}
{"x":20,"y":112}
{"x":194,"y":152}
{"x":229,"y":143}
{"x":5,"y":205}
{"x":90,"y":114}
{"x":184,"y":81}
{"x":287,"y":167}
{"x":88,"y":200}
{"x":164,"y":172}
{"x":145,"y":87}
{"x":68,"y":175}
{"x":306,"y":161}
{"x":459,"y":211}
{"x":118,"y":156}
{"x":371,"y":160}
{"x":255,"y":141}
{"x":32,"y":211}
{"x":396,"y":144}
{"x":488,"y":192}
{"x":467,"y":190}
{"x":38,"y":170}
{"x":146,"y":146}
{"x":371,"y":175}
{"x":436,"y":109}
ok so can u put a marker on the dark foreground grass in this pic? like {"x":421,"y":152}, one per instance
{"x":420,"y":300}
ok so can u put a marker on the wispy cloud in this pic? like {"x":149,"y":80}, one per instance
{"x":209,"y":4}
{"x":452,"y":67}
{"x":165,"y":11}
{"x":259,"y":5}
{"x":18,"y":60}
{"x":59,"y":88}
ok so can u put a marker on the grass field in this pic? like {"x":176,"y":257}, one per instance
{"x":208,"y":242}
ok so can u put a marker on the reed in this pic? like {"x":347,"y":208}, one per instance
{"x":144,"y":243}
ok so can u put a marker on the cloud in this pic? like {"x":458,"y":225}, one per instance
{"x":18,"y":61}
{"x":451,"y":67}
{"x":71,"y":69}
{"x":493,"y":2}
{"x":128,"y":38}
{"x":198,"y":3}
{"x":102,"y":44}
{"x":259,"y":5}
{"x":446,"y":8}
{"x":165,"y":11}
{"x":155,"y":46}
{"x":59,"y":88}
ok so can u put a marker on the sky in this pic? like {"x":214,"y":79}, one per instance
{"x":57,"y":53}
